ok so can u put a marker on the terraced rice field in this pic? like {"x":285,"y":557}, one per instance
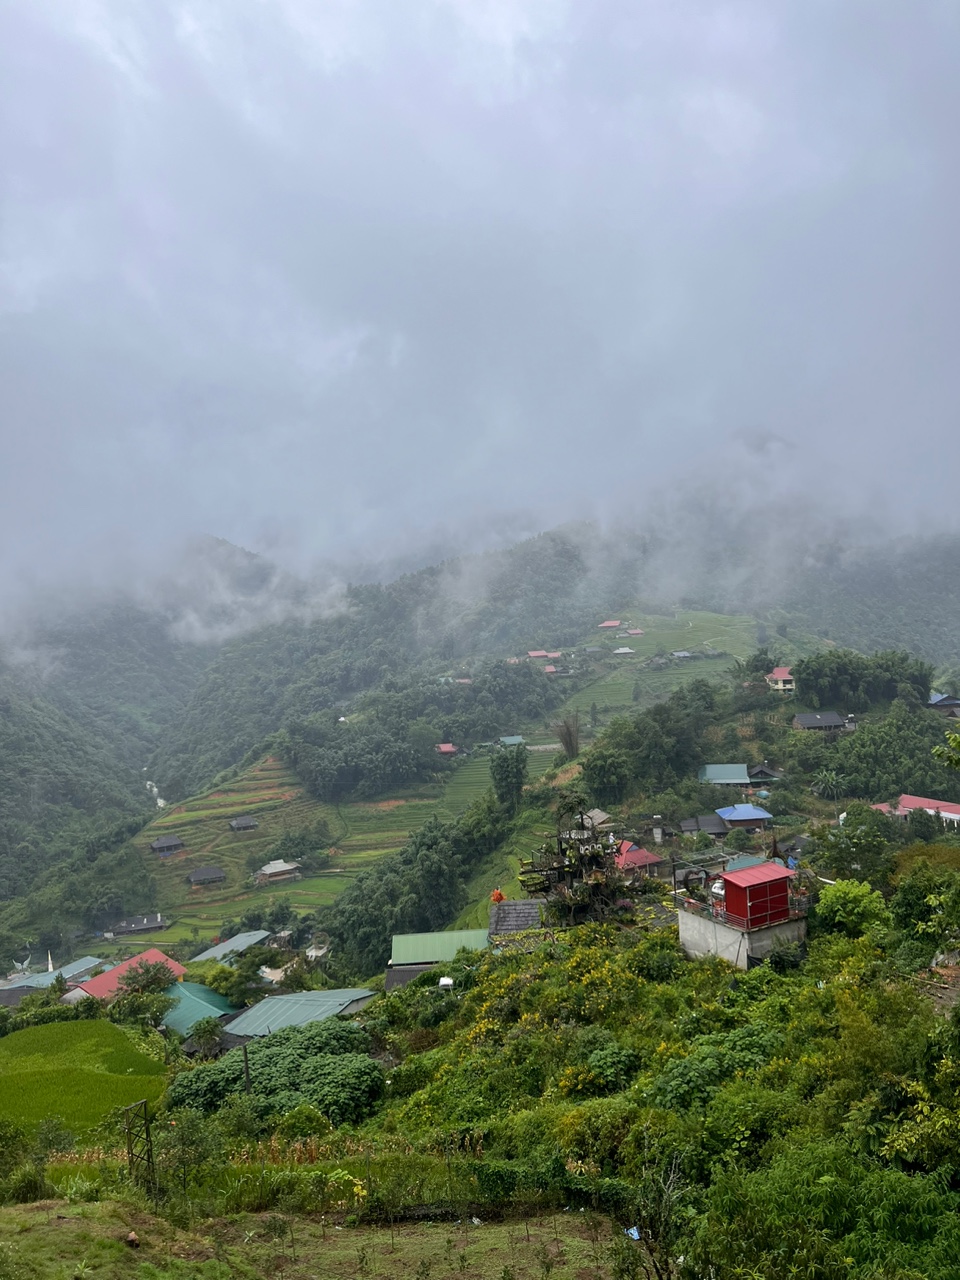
{"x":362,"y":832}
{"x":79,"y":1070}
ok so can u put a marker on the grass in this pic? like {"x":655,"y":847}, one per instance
{"x":80,"y":1070}
{"x":54,"y":1238}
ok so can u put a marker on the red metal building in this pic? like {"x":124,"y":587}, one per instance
{"x":757,"y":896}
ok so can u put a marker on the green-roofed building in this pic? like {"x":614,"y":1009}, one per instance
{"x":512,"y":740}
{"x":436,"y":948}
{"x":725,"y":775}
{"x":296,"y":1010}
{"x":194,"y":1003}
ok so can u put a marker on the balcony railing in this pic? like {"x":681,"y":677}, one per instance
{"x":797,"y":907}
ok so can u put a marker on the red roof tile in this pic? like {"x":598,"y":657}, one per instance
{"x":780,"y":673}
{"x":446,"y":748}
{"x":549,"y":671}
{"x":105,"y":984}
{"x":537,"y":653}
{"x":610,"y":624}
{"x":631,"y":856}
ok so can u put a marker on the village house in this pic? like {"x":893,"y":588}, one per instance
{"x":446,"y":749}
{"x":235,"y":946}
{"x":763,"y":774}
{"x":207,"y":875}
{"x":908,"y":804}
{"x":244,"y":823}
{"x":277,"y":871}
{"x":724,"y":775}
{"x":819,"y":721}
{"x":608,"y":625}
{"x":749,"y":817}
{"x":945,"y":703}
{"x":164,"y":846}
{"x":512,"y":740}
{"x":750,"y":912}
{"x":636,"y":864}
{"x":106,"y":985}
{"x":780,"y":679}
{"x":707,"y":822}
{"x":152,"y":923}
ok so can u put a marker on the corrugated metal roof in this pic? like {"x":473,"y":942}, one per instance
{"x":105,"y":984}
{"x":434,"y":948}
{"x":294,"y":1010}
{"x":766,"y":873}
{"x":75,"y":969}
{"x":234,"y":946}
{"x":742,"y":813}
{"x":194,"y":1002}
{"x":728,"y":774}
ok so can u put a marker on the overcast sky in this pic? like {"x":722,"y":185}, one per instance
{"x":320,"y":275}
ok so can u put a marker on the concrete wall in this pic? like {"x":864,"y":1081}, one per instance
{"x":704,"y":936}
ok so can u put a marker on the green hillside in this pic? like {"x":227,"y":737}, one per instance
{"x":77,"y":1070}
{"x":271,"y":794}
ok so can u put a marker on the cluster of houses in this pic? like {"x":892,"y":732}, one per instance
{"x":192,"y":1001}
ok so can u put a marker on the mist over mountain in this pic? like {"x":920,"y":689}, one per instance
{"x":391,"y":282}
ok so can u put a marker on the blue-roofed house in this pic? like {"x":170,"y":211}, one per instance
{"x":296,"y":1010}
{"x":512,"y":740}
{"x":743,"y":815}
{"x":73,"y":973}
{"x":194,"y":1002}
{"x":234,"y":946}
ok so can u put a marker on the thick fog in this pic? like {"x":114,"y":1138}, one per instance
{"x":344,"y":278}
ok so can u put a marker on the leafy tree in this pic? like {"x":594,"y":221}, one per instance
{"x":852,"y":907}
{"x":508,"y":770}
{"x":146,"y":977}
{"x":207,"y":1035}
{"x":606,"y":773}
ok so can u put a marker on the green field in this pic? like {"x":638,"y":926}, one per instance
{"x":77,"y":1070}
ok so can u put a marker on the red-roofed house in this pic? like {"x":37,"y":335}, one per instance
{"x":554,"y":655}
{"x":906,"y":805}
{"x":635,"y":631}
{"x":105,"y":985}
{"x":549,"y":671}
{"x":781,"y":679}
{"x":446,"y":749}
{"x":750,"y":912}
{"x":634,"y":861}
{"x":537,"y":653}
{"x":608,"y":623}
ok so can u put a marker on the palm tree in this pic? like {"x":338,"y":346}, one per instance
{"x":828,"y":784}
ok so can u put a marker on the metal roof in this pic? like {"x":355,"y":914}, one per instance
{"x":742,"y":813}
{"x":75,"y":969}
{"x":194,"y":1001}
{"x":234,"y":946}
{"x":512,"y":740}
{"x":730,"y":774}
{"x":765,"y":873}
{"x":105,"y":985}
{"x":294,"y":1010}
{"x":434,"y":948}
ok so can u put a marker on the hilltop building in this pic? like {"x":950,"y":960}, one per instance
{"x":750,"y":911}
{"x":244,"y":823}
{"x":781,"y":679}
